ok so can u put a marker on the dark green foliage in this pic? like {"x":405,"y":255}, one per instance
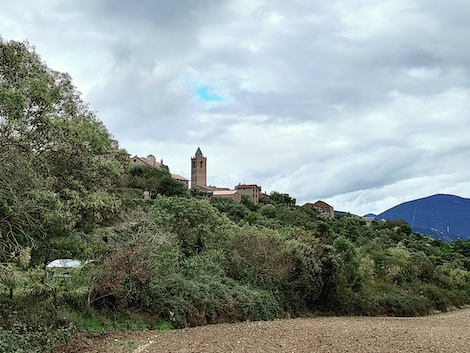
{"x":259,"y":258}
{"x":147,"y":178}
{"x":281,"y":199}
{"x":397,"y":304}
{"x":330,"y":265}
{"x":167,"y":186}
{"x":200,"y":194}
{"x":351,"y":271}
{"x":245,"y":200}
{"x":268,"y":211}
{"x":58,"y":163}
{"x":193,"y":221}
{"x":307,"y":274}
{"x":234,"y":210}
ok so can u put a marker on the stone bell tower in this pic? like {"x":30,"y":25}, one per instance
{"x":198,"y":170}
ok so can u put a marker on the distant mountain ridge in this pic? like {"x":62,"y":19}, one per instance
{"x":445,"y":217}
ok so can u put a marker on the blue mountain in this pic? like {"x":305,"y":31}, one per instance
{"x":445,"y":217}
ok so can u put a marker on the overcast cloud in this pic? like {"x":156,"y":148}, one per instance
{"x":360,"y":103}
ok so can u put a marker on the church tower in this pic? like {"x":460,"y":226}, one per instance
{"x":198,"y":170}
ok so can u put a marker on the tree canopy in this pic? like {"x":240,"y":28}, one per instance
{"x":59,"y":166}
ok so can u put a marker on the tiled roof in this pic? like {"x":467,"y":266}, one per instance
{"x":156,"y":164}
{"x":198,"y":152}
{"x":179,"y":177}
{"x":246,"y":186}
{"x":224,"y":192}
{"x":147,"y":161}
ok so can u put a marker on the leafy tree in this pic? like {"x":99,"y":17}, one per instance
{"x":193,"y":221}
{"x":282,"y":199}
{"x":199,"y":194}
{"x":324,"y":230}
{"x":146,"y":177}
{"x":308,"y":277}
{"x":245,"y":200}
{"x":167,"y":186}
{"x":268,"y":211}
{"x":330,"y":264}
{"x":234,"y":210}
{"x":259,"y":257}
{"x":59,"y":166}
{"x":351,"y":266}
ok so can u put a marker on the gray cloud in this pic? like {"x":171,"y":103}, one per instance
{"x":360,"y":103}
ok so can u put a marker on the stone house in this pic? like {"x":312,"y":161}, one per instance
{"x":322,"y":208}
{"x":150,"y":160}
{"x":253,"y":191}
{"x":229,"y":194}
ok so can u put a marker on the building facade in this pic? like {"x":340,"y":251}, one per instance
{"x":151,"y":161}
{"x":322,"y":208}
{"x":229,"y":194}
{"x":253,"y":191}
{"x":199,"y":181}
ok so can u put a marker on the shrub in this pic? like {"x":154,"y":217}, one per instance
{"x":397,"y":304}
{"x":306,"y":277}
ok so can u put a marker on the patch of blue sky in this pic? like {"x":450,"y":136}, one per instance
{"x":206,"y":93}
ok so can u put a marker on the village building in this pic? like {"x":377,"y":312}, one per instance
{"x":198,"y":170}
{"x":322,"y":208}
{"x":253,"y":191}
{"x":229,"y":194}
{"x":199,"y":179}
{"x":151,"y":161}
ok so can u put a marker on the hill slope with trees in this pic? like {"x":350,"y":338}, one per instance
{"x":181,"y":259}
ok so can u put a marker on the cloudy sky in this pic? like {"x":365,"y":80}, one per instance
{"x":361,"y":103}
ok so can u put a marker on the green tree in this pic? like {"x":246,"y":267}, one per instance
{"x":307,"y":279}
{"x":194,"y":222}
{"x":282,"y":199}
{"x":245,"y":200}
{"x":167,"y":186}
{"x":351,"y":271}
{"x":146,"y":177}
{"x":59,"y":166}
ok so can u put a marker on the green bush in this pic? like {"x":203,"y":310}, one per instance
{"x":438,"y":297}
{"x":397,"y":304}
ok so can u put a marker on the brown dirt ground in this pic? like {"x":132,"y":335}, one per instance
{"x":448,"y":332}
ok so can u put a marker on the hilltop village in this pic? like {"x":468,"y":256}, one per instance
{"x":199,"y":182}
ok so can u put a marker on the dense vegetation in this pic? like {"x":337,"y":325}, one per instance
{"x":179,"y":259}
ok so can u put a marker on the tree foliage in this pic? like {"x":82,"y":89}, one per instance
{"x":59,"y":166}
{"x":167,"y":186}
{"x":282,"y":199}
{"x":146,"y":177}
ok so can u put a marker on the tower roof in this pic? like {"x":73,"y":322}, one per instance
{"x":198,"y":152}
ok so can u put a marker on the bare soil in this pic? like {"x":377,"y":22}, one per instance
{"x":448,"y":332}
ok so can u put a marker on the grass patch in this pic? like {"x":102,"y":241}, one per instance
{"x":165,"y":325}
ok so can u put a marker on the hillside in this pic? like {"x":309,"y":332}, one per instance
{"x":445,"y":217}
{"x":182,"y":257}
